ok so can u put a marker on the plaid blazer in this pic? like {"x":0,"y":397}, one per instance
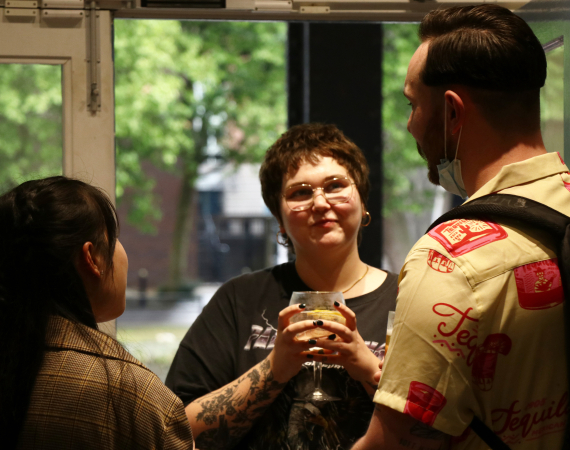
{"x":84,"y":401}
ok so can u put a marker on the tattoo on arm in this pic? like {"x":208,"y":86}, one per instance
{"x":423,"y":431}
{"x":235,"y":412}
{"x":420,"y":430}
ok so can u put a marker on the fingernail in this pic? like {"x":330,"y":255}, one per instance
{"x":312,"y":341}
{"x":302,"y":306}
{"x":319,"y":323}
{"x":310,"y":356}
{"x":336,"y":303}
{"x":314,"y":322}
{"x":321,"y":352}
{"x":332,"y":337}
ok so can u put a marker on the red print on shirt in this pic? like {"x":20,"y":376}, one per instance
{"x":566,"y":185}
{"x":561,"y":160}
{"x":424,"y":402}
{"x":462,"y":236}
{"x":440,"y":263}
{"x":485,"y":361}
{"x":539,"y":285}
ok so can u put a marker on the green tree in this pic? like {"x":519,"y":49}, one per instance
{"x":188,"y":90}
{"x":407,"y":193}
{"x":30,"y":123}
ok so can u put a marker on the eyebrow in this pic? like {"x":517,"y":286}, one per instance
{"x":330,"y":177}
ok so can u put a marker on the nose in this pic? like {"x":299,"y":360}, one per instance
{"x":319,"y":200}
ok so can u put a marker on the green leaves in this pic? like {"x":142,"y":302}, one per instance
{"x":404,"y":169}
{"x":31,"y":139}
{"x":187,"y":90}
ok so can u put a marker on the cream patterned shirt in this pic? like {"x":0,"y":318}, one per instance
{"x":479,"y":327}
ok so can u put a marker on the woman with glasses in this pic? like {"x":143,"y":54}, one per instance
{"x":240,"y":370}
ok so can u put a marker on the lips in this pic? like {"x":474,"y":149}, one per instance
{"x":324,"y":222}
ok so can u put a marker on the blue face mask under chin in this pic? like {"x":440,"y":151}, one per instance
{"x":450,"y":177}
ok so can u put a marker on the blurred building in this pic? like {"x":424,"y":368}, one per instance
{"x":233,"y":231}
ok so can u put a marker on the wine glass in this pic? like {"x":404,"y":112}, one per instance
{"x":319,"y":305}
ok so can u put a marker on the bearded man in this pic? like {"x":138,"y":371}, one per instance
{"x":477,"y":341}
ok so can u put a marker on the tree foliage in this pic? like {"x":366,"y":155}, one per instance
{"x":404,"y":170}
{"x":186,"y":91}
{"x":30,"y":123}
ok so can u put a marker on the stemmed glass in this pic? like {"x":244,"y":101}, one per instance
{"x":319,"y":305}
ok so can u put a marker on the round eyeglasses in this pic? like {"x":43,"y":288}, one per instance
{"x":300,"y":197}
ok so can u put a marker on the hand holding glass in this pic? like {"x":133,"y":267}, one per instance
{"x":319,"y":306}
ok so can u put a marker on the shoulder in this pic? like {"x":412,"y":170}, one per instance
{"x":480,"y":249}
{"x":270,"y":280}
{"x":253,"y":279}
{"x":386,"y":282}
{"x":85,"y":384}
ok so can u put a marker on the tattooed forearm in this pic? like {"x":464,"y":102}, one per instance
{"x":426,"y":432}
{"x":234,"y":408}
{"x":419,"y":430}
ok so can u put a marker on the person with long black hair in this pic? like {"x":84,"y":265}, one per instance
{"x":63,"y":383}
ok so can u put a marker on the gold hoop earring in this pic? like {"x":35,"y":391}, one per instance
{"x":362,"y":224}
{"x":285,"y":241}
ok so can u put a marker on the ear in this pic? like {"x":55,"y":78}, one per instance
{"x":90,"y":262}
{"x":455,"y":111}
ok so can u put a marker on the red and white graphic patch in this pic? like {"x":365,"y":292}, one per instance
{"x":462,"y":236}
{"x":440,"y":263}
{"x":424,"y":402}
{"x":539,"y":285}
{"x":485,"y":361}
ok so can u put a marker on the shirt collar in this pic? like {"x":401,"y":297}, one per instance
{"x":63,"y":334}
{"x":526,"y":171}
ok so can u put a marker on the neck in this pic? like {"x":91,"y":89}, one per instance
{"x":335,"y":271}
{"x":485,"y":152}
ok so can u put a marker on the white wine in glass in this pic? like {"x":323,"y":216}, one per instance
{"x":319,"y":306}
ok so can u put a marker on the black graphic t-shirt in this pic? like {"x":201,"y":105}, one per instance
{"x":237,"y":330}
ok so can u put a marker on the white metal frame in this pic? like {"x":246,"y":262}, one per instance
{"x":88,"y":138}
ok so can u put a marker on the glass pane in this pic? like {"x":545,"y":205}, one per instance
{"x":552,"y":102}
{"x":31,"y":136}
{"x":409,"y":198}
{"x":197,"y":105}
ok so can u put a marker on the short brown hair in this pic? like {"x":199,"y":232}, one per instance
{"x":492,"y":50}
{"x":307,"y":143}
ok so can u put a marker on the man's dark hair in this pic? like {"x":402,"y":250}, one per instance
{"x":490,"y":49}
